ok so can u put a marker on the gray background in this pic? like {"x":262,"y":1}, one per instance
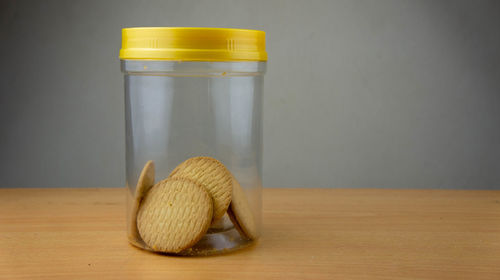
{"x":399,"y":94}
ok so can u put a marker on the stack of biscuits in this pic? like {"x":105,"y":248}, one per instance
{"x":175,"y":213}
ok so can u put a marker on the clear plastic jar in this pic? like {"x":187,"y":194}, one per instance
{"x":189,"y":93}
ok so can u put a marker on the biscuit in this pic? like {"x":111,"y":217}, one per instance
{"x":240,"y":213}
{"x":145,"y":182}
{"x":174,"y":215}
{"x":211,"y":174}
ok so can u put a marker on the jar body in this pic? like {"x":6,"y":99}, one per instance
{"x":178,"y":110}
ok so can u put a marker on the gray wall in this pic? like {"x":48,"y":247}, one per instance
{"x":400,"y":94}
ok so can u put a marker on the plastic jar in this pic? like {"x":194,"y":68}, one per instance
{"x":193,"y":93}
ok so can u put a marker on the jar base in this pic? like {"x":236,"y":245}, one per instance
{"x":210,"y":244}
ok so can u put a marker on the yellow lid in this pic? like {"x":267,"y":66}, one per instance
{"x":193,"y":44}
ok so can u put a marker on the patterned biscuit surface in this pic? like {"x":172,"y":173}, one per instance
{"x":211,"y":174}
{"x":174,"y":215}
{"x":241,"y":213}
{"x":145,"y":182}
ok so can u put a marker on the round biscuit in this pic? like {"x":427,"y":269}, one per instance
{"x":211,"y":174}
{"x":145,"y":182}
{"x":240,"y":212}
{"x":174,"y":215}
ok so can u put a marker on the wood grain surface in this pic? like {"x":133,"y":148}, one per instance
{"x":307,"y":234}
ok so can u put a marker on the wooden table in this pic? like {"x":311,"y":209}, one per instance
{"x":308,"y":234}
